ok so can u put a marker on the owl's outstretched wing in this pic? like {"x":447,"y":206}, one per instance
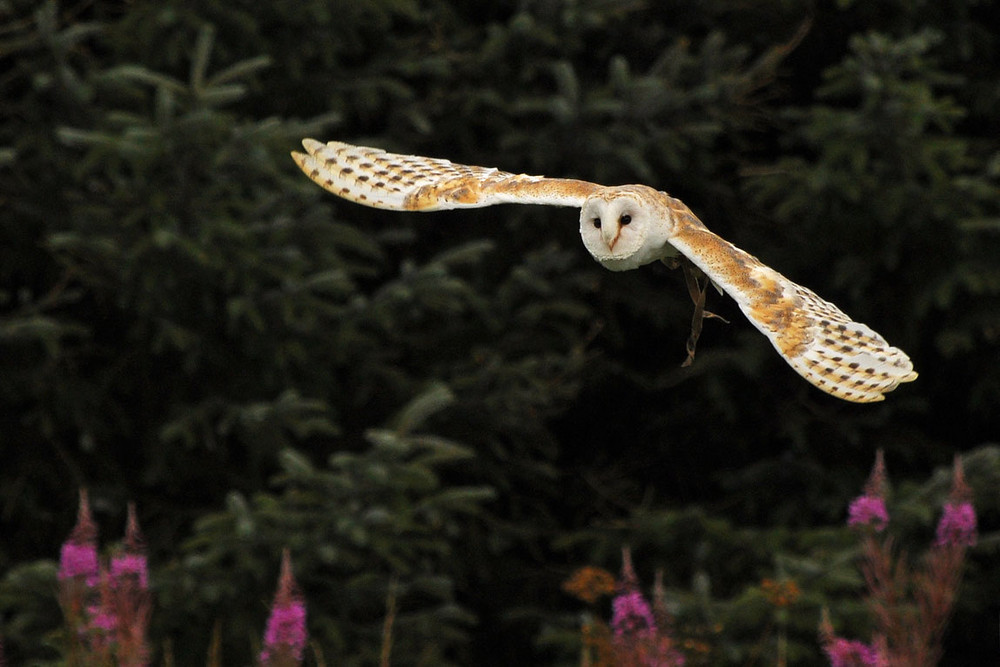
{"x":373,"y":177}
{"x":823,"y":344}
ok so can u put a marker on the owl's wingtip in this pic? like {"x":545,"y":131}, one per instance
{"x":311,"y":145}
{"x":301,"y":159}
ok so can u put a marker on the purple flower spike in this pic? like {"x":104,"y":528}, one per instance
{"x":102,"y":619}
{"x":957,"y":526}
{"x":958,"y":523}
{"x":632,"y":615}
{"x":78,"y":556}
{"x":286,"y":628}
{"x":78,"y":560}
{"x":133,"y":565}
{"x":846,"y":653}
{"x":285,"y":637}
{"x":132,"y":562}
{"x":868,"y":511}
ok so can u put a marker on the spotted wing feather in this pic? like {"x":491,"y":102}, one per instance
{"x":373,"y":177}
{"x":823,"y":344}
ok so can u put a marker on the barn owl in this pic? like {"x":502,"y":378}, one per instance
{"x":625,"y":227}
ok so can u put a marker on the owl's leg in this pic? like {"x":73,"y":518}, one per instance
{"x":697,"y":284}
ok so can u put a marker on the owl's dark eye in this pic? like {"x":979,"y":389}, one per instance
{"x":625,"y":219}
{"x":597,"y":223}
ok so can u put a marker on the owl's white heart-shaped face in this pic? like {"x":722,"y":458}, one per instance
{"x":623,"y":228}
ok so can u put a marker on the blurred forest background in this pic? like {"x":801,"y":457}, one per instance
{"x":463,"y":407}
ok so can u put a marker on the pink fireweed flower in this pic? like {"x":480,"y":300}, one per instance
{"x":102,"y":619}
{"x":868,"y":511}
{"x":846,"y":653}
{"x":78,"y":555}
{"x":129,"y":596}
{"x":79,"y":575}
{"x":958,"y":522}
{"x":667,"y":655}
{"x":957,"y":526}
{"x":641,"y":632}
{"x":631,"y":615}
{"x":286,"y":630}
{"x":285,"y":636}
{"x":102,"y":622}
{"x":130,"y":565}
{"x":78,"y":560}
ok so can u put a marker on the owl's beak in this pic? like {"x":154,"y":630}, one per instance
{"x":610,"y":235}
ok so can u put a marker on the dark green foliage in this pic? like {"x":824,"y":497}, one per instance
{"x":461,"y":408}
{"x":365,"y":525}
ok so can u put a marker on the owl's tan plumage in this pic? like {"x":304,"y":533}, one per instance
{"x":625,"y":227}
{"x":372,"y":177}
